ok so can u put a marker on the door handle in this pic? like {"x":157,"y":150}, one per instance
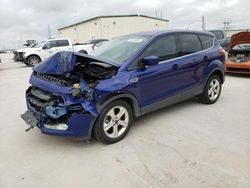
{"x":175,"y":67}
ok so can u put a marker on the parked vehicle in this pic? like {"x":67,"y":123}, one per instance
{"x":73,"y":94}
{"x":18,"y":53}
{"x":222,"y":39}
{"x":93,"y":43}
{"x":42,"y":50}
{"x":239,"y":54}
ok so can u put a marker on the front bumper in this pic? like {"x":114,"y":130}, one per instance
{"x":237,"y":68}
{"x":18,"y":56}
{"x":77,"y":123}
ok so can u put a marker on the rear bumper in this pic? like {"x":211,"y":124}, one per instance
{"x":77,"y":124}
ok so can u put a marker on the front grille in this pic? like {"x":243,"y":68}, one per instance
{"x":238,"y":69}
{"x":49,"y":78}
{"x":18,"y":55}
{"x":38,"y":98}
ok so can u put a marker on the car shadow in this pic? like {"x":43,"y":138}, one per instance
{"x":238,"y":75}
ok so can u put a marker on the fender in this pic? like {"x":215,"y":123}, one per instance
{"x":213,"y":67}
{"x":212,"y":72}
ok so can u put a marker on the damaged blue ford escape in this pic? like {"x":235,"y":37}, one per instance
{"x":73,"y":94}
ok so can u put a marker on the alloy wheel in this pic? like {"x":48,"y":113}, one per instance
{"x":116,"y":121}
{"x":214,"y":89}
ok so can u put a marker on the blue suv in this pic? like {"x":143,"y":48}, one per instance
{"x":73,"y":94}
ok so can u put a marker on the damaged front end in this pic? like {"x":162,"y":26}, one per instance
{"x":239,"y":54}
{"x":62,"y":99}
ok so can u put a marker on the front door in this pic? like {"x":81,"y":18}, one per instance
{"x":158,"y":82}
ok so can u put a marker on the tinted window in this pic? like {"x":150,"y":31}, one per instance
{"x":165,"y":48}
{"x":207,"y":41}
{"x":50,"y":44}
{"x":190,"y":43}
{"x":218,"y":34}
{"x":62,"y":43}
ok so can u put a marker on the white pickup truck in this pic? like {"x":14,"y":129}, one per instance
{"x":42,"y":50}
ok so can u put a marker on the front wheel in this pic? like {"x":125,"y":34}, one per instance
{"x":212,"y":90}
{"x":113,"y":122}
{"x":33,"y":60}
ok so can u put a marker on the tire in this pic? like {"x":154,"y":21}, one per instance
{"x":116,"y":127}
{"x":212,"y":90}
{"x":33,"y":60}
{"x":83,"y":51}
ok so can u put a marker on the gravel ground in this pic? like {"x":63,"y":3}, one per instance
{"x":185,"y":145}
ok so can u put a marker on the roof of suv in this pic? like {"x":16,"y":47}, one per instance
{"x":160,"y":32}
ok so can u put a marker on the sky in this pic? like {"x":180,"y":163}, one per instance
{"x":28,"y":19}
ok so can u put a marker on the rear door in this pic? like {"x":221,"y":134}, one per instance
{"x":192,"y":61}
{"x":63,"y":45}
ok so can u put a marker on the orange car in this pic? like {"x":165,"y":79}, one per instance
{"x":239,"y":54}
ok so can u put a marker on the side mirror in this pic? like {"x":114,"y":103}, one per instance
{"x":150,"y":60}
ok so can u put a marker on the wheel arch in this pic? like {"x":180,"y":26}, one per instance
{"x":218,"y":72}
{"x":83,"y":51}
{"x":33,"y":55}
{"x":129,"y":98}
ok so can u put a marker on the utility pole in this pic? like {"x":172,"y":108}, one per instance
{"x":49,"y":31}
{"x":21,"y":41}
{"x":203,"y":27}
{"x":226,"y":25}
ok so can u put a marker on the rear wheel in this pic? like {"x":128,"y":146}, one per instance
{"x":33,"y":60}
{"x":212,"y":90}
{"x":114,"y":122}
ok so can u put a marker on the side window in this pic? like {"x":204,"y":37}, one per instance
{"x":61,"y":43}
{"x":165,"y":48}
{"x":50,"y":44}
{"x":206,"y":41}
{"x":190,"y":43}
{"x":219,"y":34}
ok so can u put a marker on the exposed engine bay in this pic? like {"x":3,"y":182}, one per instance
{"x":240,"y":47}
{"x":90,"y":72}
{"x":240,"y":53}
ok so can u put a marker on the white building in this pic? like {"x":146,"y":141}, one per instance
{"x":107,"y":27}
{"x":231,"y":32}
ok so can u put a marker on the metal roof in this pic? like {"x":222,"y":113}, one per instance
{"x":114,"y":16}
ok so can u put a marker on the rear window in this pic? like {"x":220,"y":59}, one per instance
{"x":207,"y":41}
{"x":190,"y":43}
{"x":62,"y":43}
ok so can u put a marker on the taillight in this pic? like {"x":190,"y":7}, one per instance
{"x":222,"y":52}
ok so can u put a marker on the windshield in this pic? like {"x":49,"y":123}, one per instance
{"x":245,"y":46}
{"x":120,"y":49}
{"x":37,"y":45}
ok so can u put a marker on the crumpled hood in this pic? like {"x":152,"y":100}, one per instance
{"x":240,"y":38}
{"x":64,"y":62}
